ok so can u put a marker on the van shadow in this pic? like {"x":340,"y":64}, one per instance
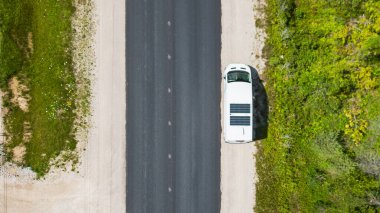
{"x":260,"y":107}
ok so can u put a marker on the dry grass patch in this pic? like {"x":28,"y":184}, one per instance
{"x":20,"y":98}
{"x":18,"y":154}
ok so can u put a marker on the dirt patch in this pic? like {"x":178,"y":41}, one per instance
{"x":4,"y":110}
{"x":18,"y":153}
{"x":27,"y":135}
{"x":259,"y":61}
{"x":19,"y":96}
{"x":30,"y":43}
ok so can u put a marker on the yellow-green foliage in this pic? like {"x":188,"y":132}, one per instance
{"x":323,"y":148}
{"x":356,"y":127}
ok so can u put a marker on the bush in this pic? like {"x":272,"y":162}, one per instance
{"x":322,"y":152}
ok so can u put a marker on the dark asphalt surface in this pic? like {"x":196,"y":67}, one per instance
{"x":173,"y":106}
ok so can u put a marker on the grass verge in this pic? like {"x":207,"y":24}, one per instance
{"x":38,"y":81}
{"x":323,"y":147}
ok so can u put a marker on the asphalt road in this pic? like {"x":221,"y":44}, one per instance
{"x":173,"y":106}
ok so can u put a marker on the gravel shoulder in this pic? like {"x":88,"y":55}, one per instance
{"x":99,"y":185}
{"x":242,"y":42}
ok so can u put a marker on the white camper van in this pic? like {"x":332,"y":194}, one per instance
{"x":238,"y":104}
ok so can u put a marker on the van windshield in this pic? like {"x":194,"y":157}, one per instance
{"x":238,"y":76}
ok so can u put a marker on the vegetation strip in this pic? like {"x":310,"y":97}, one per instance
{"x":38,"y":82}
{"x":323,"y":147}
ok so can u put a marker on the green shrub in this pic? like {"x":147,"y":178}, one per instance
{"x":322,"y":151}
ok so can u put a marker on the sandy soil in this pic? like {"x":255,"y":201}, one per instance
{"x":242,"y":42}
{"x":100,"y":184}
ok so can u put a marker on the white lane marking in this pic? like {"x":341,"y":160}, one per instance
{"x":169,"y":90}
{"x":169,"y":57}
{"x":169,"y":123}
{"x":169,"y":23}
{"x":169,"y":156}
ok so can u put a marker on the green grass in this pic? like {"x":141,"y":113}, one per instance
{"x":322,"y":153}
{"x":48,"y":73}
